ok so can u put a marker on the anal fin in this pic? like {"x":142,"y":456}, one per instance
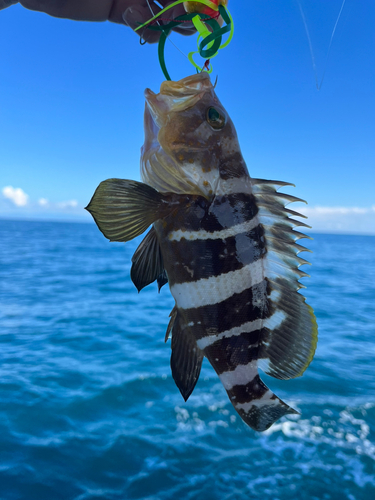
{"x":186,"y":358}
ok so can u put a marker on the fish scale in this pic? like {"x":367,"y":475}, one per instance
{"x":225,"y":244}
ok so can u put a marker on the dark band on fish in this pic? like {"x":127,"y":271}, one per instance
{"x":194,"y":257}
{"x":254,"y":389}
{"x":223,"y":212}
{"x":226,"y":354}
{"x":230,"y":313}
{"x":234,"y":166}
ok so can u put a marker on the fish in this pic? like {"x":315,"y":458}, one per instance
{"x":224,"y":242}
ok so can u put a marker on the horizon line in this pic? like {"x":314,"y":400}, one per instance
{"x":77,"y":220}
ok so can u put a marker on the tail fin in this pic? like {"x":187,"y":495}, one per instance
{"x":256,"y":404}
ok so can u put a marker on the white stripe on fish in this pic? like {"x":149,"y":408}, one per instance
{"x":233,"y":186}
{"x":248,"y":327}
{"x":266,"y":399}
{"x":275,"y":320}
{"x":242,"y":375}
{"x":244,"y":227}
{"x":216,"y":289}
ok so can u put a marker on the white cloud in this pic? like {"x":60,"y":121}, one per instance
{"x":324,"y":211}
{"x":43,"y":202}
{"x":341,"y":219}
{"x":16,"y":195}
{"x":14,"y":202}
{"x":67,"y":204}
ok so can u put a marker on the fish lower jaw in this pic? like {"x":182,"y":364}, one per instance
{"x":204,"y":180}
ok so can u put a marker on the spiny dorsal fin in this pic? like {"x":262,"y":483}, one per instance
{"x":147,"y":261}
{"x":186,"y":358}
{"x":290,"y":335}
{"x":264,"y":184}
{"x":124,"y":209}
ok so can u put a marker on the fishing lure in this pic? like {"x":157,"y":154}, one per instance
{"x":203,"y":14}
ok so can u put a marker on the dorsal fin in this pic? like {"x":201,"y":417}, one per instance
{"x":290,"y":335}
{"x":266,"y":183}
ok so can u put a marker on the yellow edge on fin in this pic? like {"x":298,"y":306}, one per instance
{"x":314,"y":342}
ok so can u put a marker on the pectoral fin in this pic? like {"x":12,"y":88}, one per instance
{"x":124,"y":209}
{"x":186,"y":358}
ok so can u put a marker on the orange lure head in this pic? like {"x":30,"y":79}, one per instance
{"x":201,"y":8}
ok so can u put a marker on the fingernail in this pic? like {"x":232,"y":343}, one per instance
{"x":132,"y":17}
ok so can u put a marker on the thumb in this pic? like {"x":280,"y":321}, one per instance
{"x":134,"y":17}
{"x":7,"y":3}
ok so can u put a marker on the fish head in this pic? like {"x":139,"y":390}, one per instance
{"x":189,"y":137}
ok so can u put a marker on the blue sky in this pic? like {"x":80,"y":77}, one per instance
{"x":71,"y":106}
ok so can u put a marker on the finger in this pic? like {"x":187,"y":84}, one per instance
{"x":7,"y":3}
{"x":136,"y":15}
{"x":84,"y":10}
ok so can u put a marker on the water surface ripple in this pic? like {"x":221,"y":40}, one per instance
{"x":89,"y":410}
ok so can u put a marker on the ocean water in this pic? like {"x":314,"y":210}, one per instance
{"x":89,"y":409}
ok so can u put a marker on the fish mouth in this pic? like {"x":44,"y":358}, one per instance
{"x":177,"y":96}
{"x":190,"y":85}
{"x":155,"y":107}
{"x":151,"y":127}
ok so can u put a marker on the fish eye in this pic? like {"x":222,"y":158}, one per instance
{"x":215,"y":118}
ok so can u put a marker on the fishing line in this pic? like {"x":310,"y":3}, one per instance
{"x":319,"y":86}
{"x":170,"y":41}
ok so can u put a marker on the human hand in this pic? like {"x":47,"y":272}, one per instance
{"x":132,"y":13}
{"x":140,"y":12}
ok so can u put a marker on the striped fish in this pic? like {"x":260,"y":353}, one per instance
{"x":223,"y":241}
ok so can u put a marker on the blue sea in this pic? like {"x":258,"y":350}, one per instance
{"x":89,"y":409}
